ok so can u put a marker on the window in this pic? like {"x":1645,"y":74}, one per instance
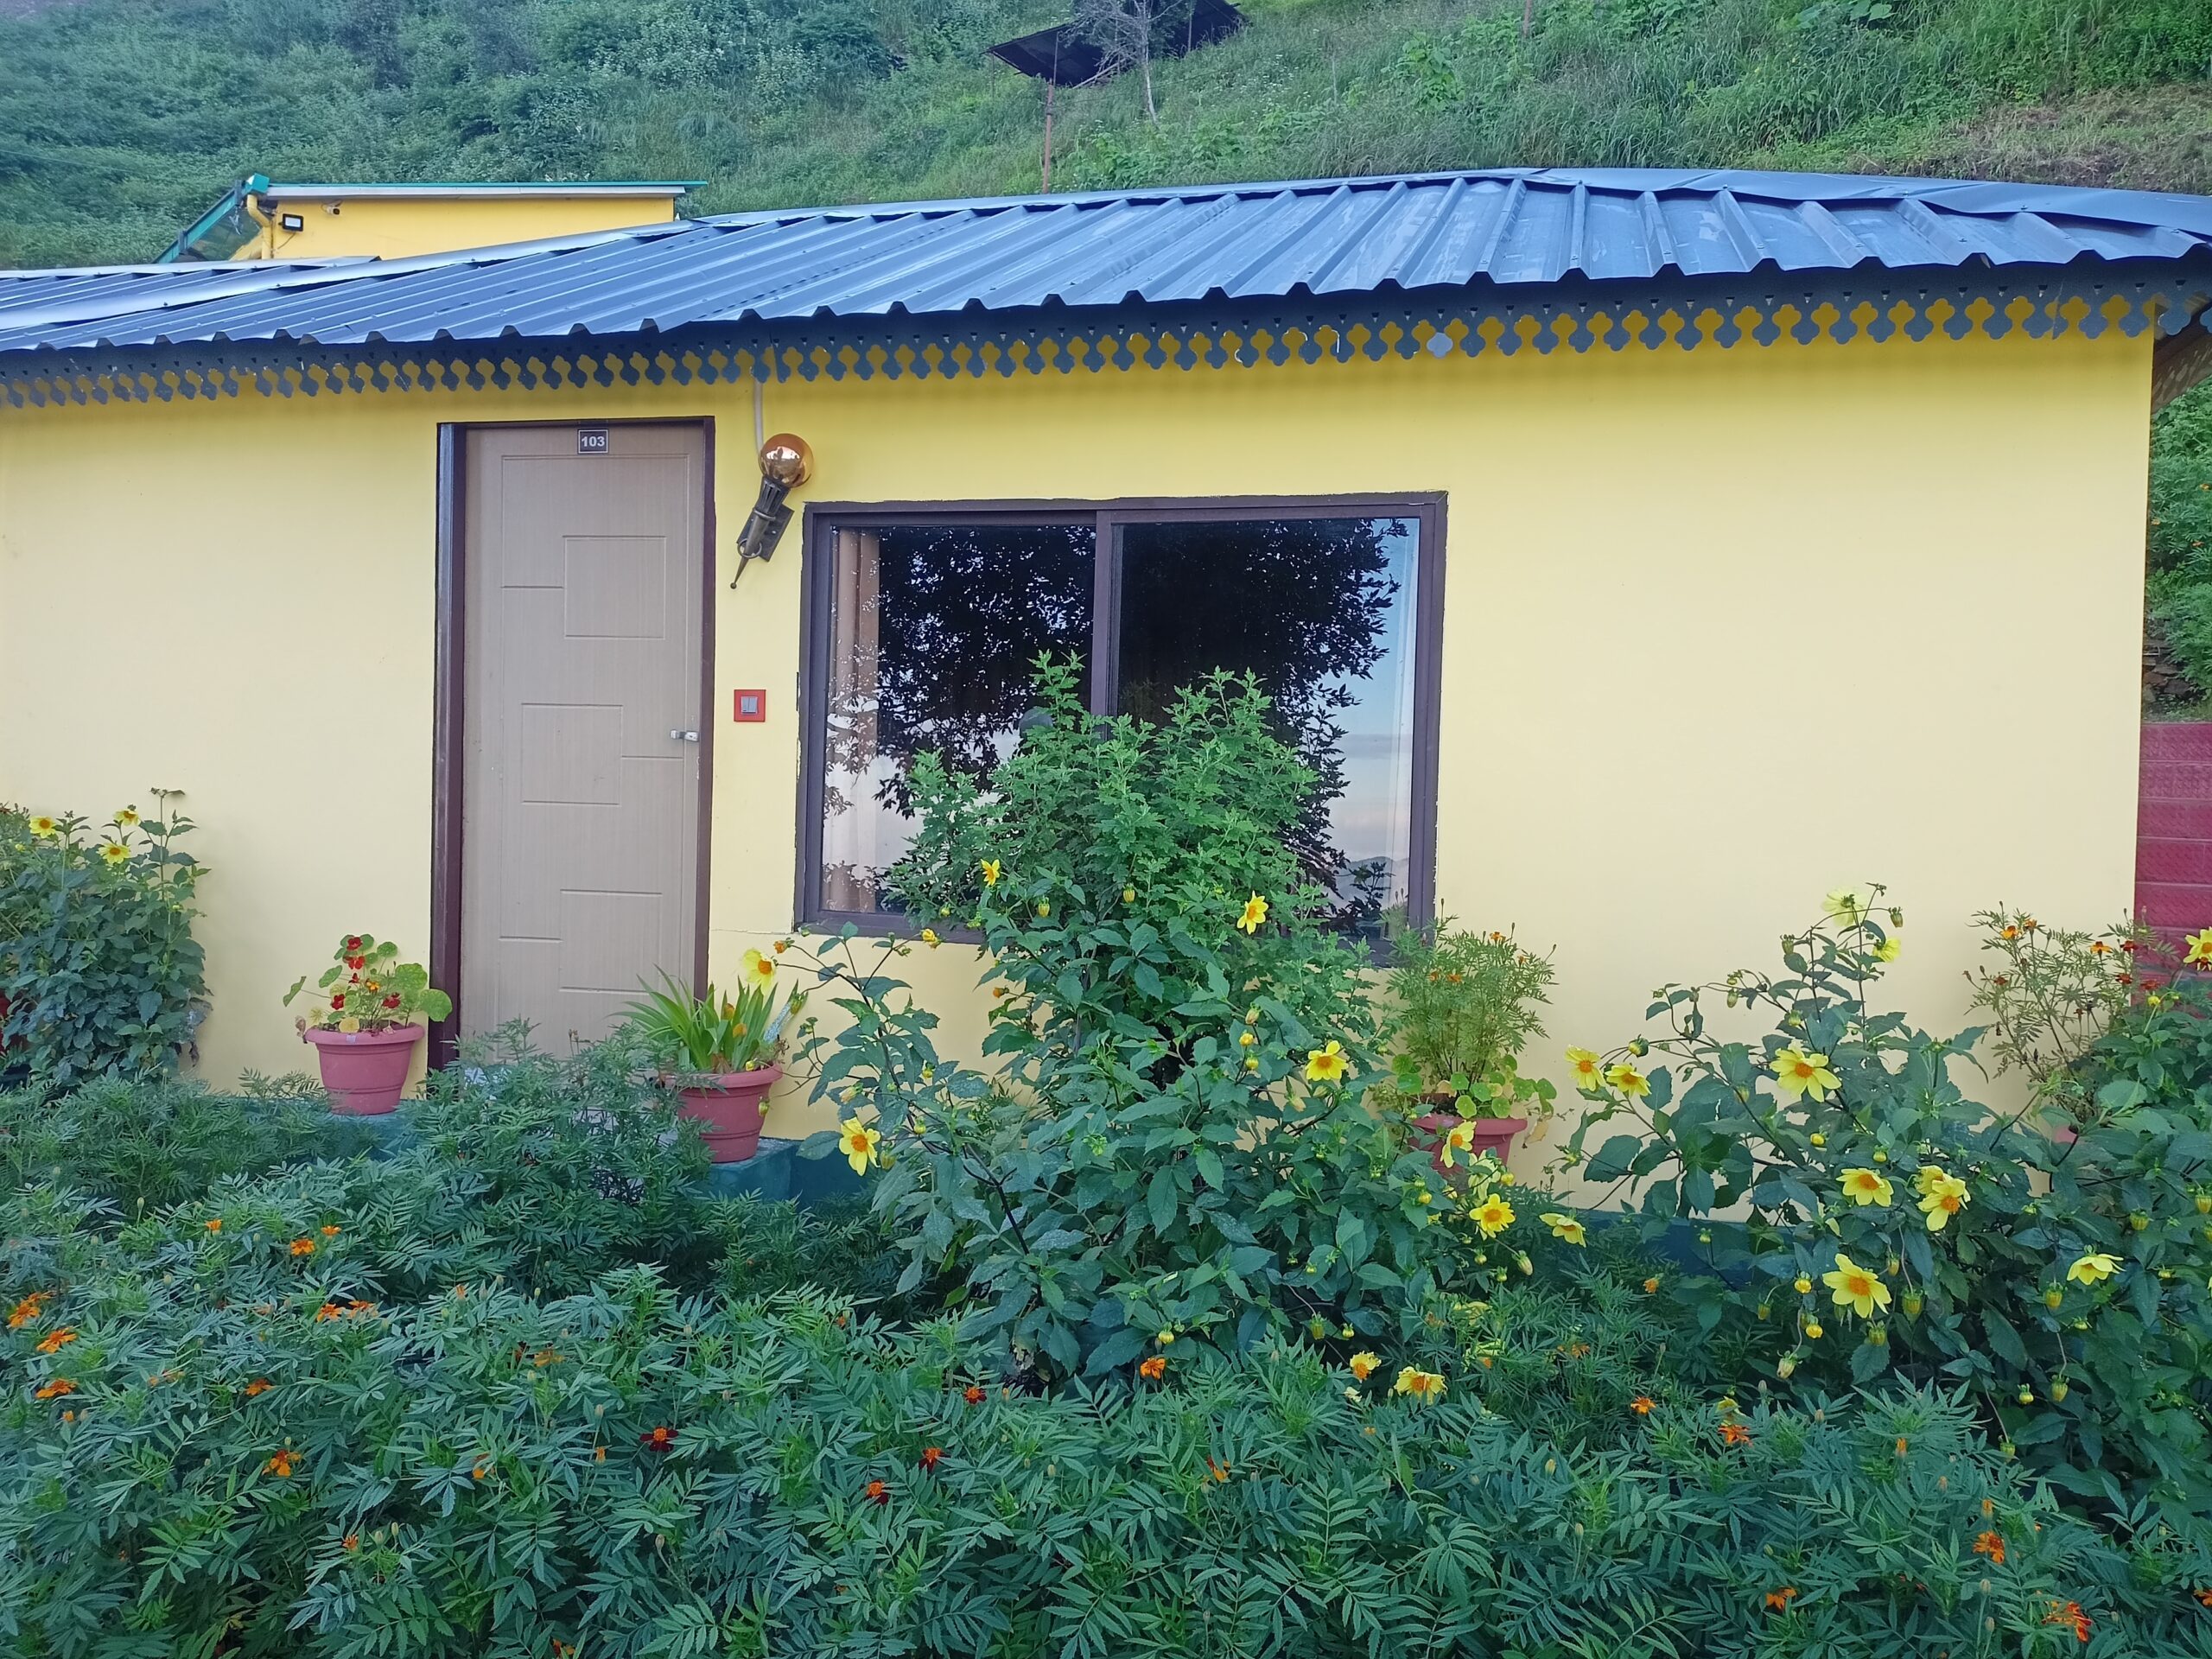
{"x":923,"y":628}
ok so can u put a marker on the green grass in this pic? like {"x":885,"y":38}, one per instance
{"x":123,"y":117}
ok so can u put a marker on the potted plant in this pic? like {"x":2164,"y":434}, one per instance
{"x":1466,"y":1004}
{"x":373,"y":1013}
{"x":719,"y":1052}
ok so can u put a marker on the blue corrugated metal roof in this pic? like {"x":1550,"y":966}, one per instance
{"x":1511,"y":230}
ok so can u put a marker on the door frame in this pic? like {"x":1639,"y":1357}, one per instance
{"x":449,"y":797}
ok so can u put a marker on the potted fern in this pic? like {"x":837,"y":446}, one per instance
{"x":719,"y":1052}
{"x":1465,"y":1005}
{"x":374,"y":1010}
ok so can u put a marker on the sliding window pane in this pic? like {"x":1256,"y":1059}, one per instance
{"x":934,"y":634}
{"x":1322,"y":611}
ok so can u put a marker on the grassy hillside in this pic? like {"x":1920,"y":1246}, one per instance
{"x":120,"y":118}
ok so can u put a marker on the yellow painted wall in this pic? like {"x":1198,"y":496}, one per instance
{"x":1723,"y":630}
{"x":393,"y":227}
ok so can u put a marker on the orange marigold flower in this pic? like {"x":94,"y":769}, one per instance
{"x":1642,"y":1405}
{"x":879,"y":1491}
{"x":1778,"y":1600}
{"x":2069,"y":1612}
{"x":259,"y":1385}
{"x":932,"y":1456}
{"x":1154,"y":1369}
{"x":1990,"y":1545}
{"x":1734,"y":1433}
{"x":330,"y":1232}
{"x":280,"y":1466}
{"x":216,"y":1225}
{"x":1651,"y":1287}
{"x":56,"y":1339}
{"x":303,"y":1247}
{"x":26,"y":1310}
{"x":972,"y":1395}
{"x":351,"y":1540}
{"x":662,"y":1438}
{"x":55,"y":1390}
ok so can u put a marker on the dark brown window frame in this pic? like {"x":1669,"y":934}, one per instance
{"x":822,"y":520}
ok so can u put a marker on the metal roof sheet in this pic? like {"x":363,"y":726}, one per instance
{"x":1510,"y":230}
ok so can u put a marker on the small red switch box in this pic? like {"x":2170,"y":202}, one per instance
{"x":749,"y":706}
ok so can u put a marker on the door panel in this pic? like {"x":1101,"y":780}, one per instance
{"x":579,"y":855}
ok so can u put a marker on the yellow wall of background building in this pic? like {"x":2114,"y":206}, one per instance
{"x":1723,"y":630}
{"x":394,"y":228}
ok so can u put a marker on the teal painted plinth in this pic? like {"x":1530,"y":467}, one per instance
{"x":777,"y":1172}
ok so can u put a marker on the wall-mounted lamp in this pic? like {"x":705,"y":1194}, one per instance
{"x":291,"y":222}
{"x":786,"y":463}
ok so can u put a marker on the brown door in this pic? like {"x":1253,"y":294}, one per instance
{"x":582,"y":723}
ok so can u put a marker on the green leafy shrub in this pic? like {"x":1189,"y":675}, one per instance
{"x":626,"y":1470}
{"x":2051,"y":996}
{"x":1174,"y":1145}
{"x":1463,"y":1005}
{"x":100,"y":974}
{"x":1895,"y":1224}
{"x":149,"y":1145}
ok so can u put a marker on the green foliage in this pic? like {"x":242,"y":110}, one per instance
{"x":716,"y":1034}
{"x":243,"y":1459}
{"x":2051,"y":996}
{"x":367,"y":987}
{"x":2180,"y":535}
{"x":1463,"y":1006}
{"x":1174,"y":1141}
{"x":100,"y":974}
{"x":1896,"y":1225}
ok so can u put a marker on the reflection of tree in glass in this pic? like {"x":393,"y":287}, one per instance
{"x":1302,"y":603}
{"x":959,"y":615}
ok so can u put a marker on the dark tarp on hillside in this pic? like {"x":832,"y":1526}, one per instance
{"x":1064,"y":57}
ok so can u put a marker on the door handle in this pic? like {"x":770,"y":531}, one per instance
{"x":681,"y":736}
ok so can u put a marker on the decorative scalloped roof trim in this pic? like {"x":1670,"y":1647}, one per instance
{"x":1685,"y":315}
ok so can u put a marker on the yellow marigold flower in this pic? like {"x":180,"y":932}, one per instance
{"x":1867,"y":1186}
{"x":1797,"y":1073}
{"x":1459,"y":1138}
{"x":2096,"y":1265}
{"x":1629,"y":1081}
{"x":1856,"y":1288}
{"x":2199,"y":949}
{"x":1585,"y":1069}
{"x":858,"y":1142}
{"x":1255,"y":912}
{"x":113,"y":853}
{"x":127,"y":819}
{"x":1566,"y":1227}
{"x":1364,"y":1365}
{"x":43,"y":826}
{"x":1422,"y":1385}
{"x":1493,"y":1215}
{"x":991,"y":872}
{"x":1326,"y":1064}
{"x":759,"y":970}
{"x":1942,"y":1195}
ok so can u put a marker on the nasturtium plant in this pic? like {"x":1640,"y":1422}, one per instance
{"x":1173,"y":1144}
{"x":1889,"y":1222}
{"x":367,"y":987}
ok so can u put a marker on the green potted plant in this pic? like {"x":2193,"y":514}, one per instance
{"x":719,"y":1052}
{"x":373,"y":1012}
{"x":1465,"y":1004}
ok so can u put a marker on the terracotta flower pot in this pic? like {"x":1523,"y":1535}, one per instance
{"x":1491,"y":1134}
{"x":727,"y":1109}
{"x":364,"y":1070}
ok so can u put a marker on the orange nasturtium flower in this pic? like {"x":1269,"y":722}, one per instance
{"x":859,"y":1142}
{"x":1255,"y":912}
{"x":1326,"y":1064}
{"x":1990,"y":1545}
{"x":1420,"y":1384}
{"x":56,"y":1339}
{"x":1585,"y":1069}
{"x":1856,"y":1288}
{"x":1363,"y":1364}
{"x":1154,"y":1369}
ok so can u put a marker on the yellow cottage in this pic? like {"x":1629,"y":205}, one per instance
{"x":1640,"y":554}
